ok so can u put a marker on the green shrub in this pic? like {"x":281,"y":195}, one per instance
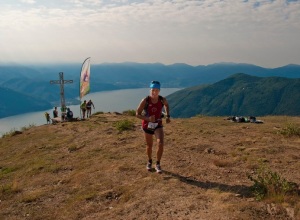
{"x":9,"y":133}
{"x":72,"y":149}
{"x":24,"y":128}
{"x":6,"y":171}
{"x":14,"y":131}
{"x":129,"y":112}
{"x":290,"y":130}
{"x":98,"y":113}
{"x":268,"y":184}
{"x":124,"y":125}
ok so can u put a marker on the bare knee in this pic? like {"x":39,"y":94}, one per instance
{"x":160,"y":142}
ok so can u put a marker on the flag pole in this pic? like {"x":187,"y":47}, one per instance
{"x":82,"y":91}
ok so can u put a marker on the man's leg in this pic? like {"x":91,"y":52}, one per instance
{"x":149,"y":143}
{"x":159,"y":134}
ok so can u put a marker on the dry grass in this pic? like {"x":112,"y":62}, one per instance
{"x":91,"y":170}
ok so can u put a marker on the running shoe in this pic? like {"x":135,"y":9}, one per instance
{"x":158,"y":168}
{"x":149,"y":166}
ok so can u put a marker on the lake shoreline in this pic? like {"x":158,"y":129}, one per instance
{"x":105,"y":101}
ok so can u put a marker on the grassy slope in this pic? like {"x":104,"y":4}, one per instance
{"x":90,"y":170}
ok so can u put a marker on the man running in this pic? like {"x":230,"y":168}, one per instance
{"x":152,"y":106}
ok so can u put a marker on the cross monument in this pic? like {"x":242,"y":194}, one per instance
{"x":61,"y":81}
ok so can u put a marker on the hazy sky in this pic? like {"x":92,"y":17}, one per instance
{"x":196,"y":32}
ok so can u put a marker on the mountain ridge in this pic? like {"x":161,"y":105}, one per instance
{"x":239,"y":94}
{"x":33,"y":80}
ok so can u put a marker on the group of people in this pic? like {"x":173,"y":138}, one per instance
{"x":86,"y":107}
{"x":67,"y":114}
{"x":55,"y":115}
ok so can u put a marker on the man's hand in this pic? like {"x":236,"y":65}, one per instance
{"x":151,"y":118}
{"x":168,"y":120}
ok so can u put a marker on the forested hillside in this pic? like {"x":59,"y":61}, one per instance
{"x":12,"y":103}
{"x":239,"y":94}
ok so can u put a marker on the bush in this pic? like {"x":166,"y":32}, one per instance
{"x":98,"y":113}
{"x":268,"y":184}
{"x":9,"y":134}
{"x":13,"y":131}
{"x":290,"y":130}
{"x":129,"y":112}
{"x":24,"y":128}
{"x":124,"y":125}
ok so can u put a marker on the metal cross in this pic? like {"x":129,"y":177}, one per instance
{"x":61,"y":81}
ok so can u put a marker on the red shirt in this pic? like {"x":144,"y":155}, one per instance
{"x":153,"y":109}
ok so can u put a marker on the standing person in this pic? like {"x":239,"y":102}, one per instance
{"x":89,"y":105}
{"x":152,"y":107}
{"x":47,"y":115}
{"x":55,"y":112}
{"x":83,"y":108}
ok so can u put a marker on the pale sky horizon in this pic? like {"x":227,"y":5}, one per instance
{"x":196,"y":32}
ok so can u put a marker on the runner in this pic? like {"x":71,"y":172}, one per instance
{"x":152,"y":107}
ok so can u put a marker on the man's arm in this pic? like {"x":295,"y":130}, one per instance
{"x":139,"y":110}
{"x":167,"y":110}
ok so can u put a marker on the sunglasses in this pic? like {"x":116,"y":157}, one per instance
{"x":155,"y":82}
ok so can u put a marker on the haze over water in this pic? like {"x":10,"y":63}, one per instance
{"x":108,"y":101}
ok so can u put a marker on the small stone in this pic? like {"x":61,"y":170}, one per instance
{"x":209,"y":150}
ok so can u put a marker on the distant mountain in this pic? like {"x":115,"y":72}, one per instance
{"x":34,"y":80}
{"x":17,"y":71}
{"x":12,"y":103}
{"x":180,"y":75}
{"x":239,"y":94}
{"x":289,"y":71}
{"x":109,"y":76}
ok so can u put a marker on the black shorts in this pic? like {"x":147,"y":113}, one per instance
{"x":151,"y":131}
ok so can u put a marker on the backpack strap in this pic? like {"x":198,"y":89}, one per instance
{"x":146,"y":104}
{"x":161,"y":99}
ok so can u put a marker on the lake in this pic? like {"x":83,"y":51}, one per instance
{"x":107,"y":101}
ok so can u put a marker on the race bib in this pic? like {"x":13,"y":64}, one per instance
{"x":152,"y":126}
